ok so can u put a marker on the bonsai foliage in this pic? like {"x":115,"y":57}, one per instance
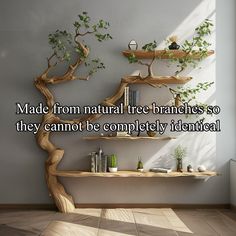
{"x":147,"y":47}
{"x":65,"y":44}
{"x":187,"y":94}
{"x":197,"y":44}
{"x":179,"y":152}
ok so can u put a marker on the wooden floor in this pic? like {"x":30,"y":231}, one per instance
{"x":119,"y":222}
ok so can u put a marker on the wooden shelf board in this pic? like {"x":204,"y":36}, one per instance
{"x":156,"y":80}
{"x":123,"y":174}
{"x":162,"y":54}
{"x":128,"y":138}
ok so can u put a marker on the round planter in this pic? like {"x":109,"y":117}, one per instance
{"x":140,"y":170}
{"x":113,"y":169}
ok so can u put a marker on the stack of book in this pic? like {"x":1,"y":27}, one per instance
{"x":131,"y":97}
{"x":98,"y":161}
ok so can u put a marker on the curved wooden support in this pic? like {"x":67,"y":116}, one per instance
{"x":63,"y":201}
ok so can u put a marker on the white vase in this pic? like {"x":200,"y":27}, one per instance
{"x":113,"y":169}
{"x":140,"y":170}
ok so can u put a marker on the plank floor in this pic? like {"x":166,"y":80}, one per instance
{"x":119,"y":222}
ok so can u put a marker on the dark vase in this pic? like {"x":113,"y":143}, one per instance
{"x":179,"y":165}
{"x":174,"y":46}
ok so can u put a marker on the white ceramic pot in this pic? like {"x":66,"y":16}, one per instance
{"x":140,"y":170}
{"x":113,"y":169}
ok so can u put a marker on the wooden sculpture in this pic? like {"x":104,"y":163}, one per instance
{"x":60,"y":42}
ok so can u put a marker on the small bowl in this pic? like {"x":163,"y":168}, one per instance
{"x":151,"y":133}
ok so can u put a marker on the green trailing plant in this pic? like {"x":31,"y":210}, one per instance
{"x":187,"y":94}
{"x":198,"y":44}
{"x":147,"y":47}
{"x":67,"y":44}
{"x":113,"y":161}
{"x":140,"y":163}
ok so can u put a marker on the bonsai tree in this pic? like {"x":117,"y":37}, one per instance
{"x":147,"y":47}
{"x":68,"y":48}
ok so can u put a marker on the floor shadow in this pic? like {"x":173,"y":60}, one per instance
{"x":6,"y":230}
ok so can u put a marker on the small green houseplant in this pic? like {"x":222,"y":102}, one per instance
{"x":140,"y":165}
{"x":179,"y":154}
{"x":112,"y":166}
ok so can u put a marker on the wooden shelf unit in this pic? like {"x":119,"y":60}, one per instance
{"x":129,"y":174}
{"x":117,"y":138}
{"x":163,"y":54}
{"x":156,"y":80}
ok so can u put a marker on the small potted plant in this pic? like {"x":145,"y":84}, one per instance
{"x":179,"y":154}
{"x":140,"y":165}
{"x":113,"y":163}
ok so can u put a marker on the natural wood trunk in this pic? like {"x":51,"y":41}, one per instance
{"x":63,"y":201}
{"x":178,"y":101}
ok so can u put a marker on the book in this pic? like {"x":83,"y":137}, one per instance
{"x":160,"y":170}
{"x":104,"y":163}
{"x":122,"y":134}
{"x":126,"y":96}
{"x":135,"y":97}
{"x":96,"y":162}
{"x":93,"y":161}
{"x":131,"y":97}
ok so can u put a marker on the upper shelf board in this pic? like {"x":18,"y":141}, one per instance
{"x":163,"y":54}
{"x":156,"y":80}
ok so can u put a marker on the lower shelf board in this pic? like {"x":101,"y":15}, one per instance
{"x":72,"y":173}
{"x":129,"y":138}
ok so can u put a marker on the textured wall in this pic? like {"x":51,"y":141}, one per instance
{"x":24,"y":28}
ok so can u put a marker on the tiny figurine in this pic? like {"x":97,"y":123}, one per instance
{"x":201,"y":168}
{"x":173,"y":45}
{"x":140,"y":165}
{"x":133,"y":45}
{"x":190,"y":168}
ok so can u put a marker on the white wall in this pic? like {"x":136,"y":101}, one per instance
{"x":23,"y":48}
{"x":233,"y":182}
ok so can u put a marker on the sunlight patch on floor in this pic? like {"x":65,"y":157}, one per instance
{"x":165,"y":219}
